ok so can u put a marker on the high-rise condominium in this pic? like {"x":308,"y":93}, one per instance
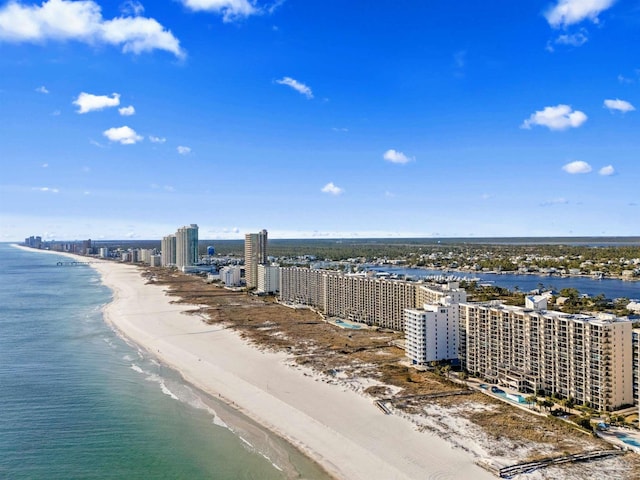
{"x":168,"y":249}
{"x":255,"y":253}
{"x":187,"y":246}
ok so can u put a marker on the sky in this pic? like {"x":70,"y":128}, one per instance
{"x":404,"y":118}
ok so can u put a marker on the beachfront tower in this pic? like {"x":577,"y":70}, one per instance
{"x":255,"y":253}
{"x":168,"y":250}
{"x":187,"y":246}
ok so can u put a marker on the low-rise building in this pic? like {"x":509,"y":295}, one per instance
{"x":231,"y":275}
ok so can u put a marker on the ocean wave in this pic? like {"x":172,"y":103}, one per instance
{"x":246,"y":442}
{"x":136,"y":368}
{"x":166,"y":391}
{"x":221,"y":423}
{"x":160,"y":381}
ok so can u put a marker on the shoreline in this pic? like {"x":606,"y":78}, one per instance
{"x":341,"y":430}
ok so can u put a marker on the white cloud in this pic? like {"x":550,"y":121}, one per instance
{"x":297,"y":86}
{"x":573,"y":40}
{"x":87,"y":102}
{"x":559,"y":117}
{"x":229,"y":9}
{"x":577,"y":166}
{"x":623,"y":79}
{"x":44,"y":165}
{"x":569,"y":12}
{"x":157,"y":139}
{"x":82,"y":20}
{"x":124,"y":135}
{"x":132,"y":8}
{"x":395,"y":156}
{"x":555,"y":201}
{"x":182,"y":150}
{"x":619,"y":105}
{"x":332,"y":189}
{"x":42,"y":89}
{"x":127,"y":111}
{"x":47,"y":189}
{"x":607,"y":171}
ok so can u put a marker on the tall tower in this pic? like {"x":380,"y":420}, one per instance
{"x":168,"y":250}
{"x":255,"y":253}
{"x":187,"y":246}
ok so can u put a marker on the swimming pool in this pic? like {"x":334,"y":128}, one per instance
{"x":513,"y":397}
{"x":342,"y":324}
{"x":629,"y":441}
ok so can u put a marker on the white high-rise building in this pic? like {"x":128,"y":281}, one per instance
{"x":168,"y":250}
{"x":145,"y":255}
{"x":268,"y":279}
{"x":432,"y":332}
{"x":187,"y":246}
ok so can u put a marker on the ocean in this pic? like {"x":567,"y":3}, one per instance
{"x":77,"y":401}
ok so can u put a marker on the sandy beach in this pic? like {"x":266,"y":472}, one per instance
{"x":340,"y":429}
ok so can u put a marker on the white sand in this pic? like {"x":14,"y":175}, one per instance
{"x":340,"y":429}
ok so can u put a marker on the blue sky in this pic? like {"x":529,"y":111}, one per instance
{"x":319,"y":118}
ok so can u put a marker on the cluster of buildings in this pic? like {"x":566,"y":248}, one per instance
{"x":181,"y":248}
{"x":257,"y":273}
{"x":592,"y":360}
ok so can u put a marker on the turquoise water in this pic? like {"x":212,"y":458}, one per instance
{"x":78,"y":402}
{"x":514,"y":397}
{"x":630,"y":441}
{"x":347,"y":325}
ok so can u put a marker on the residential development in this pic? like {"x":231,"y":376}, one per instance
{"x":591,"y":360}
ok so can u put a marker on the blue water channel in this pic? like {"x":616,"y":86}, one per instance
{"x":610,"y":287}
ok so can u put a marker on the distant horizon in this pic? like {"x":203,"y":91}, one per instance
{"x":631,"y":238}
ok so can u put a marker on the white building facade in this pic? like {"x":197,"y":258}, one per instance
{"x":268,"y":279}
{"x":168,"y":250}
{"x":432,"y":332}
{"x":187,"y":246}
{"x":231,"y":275}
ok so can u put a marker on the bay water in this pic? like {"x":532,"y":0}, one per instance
{"x":77,"y":401}
{"x":609,"y":287}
